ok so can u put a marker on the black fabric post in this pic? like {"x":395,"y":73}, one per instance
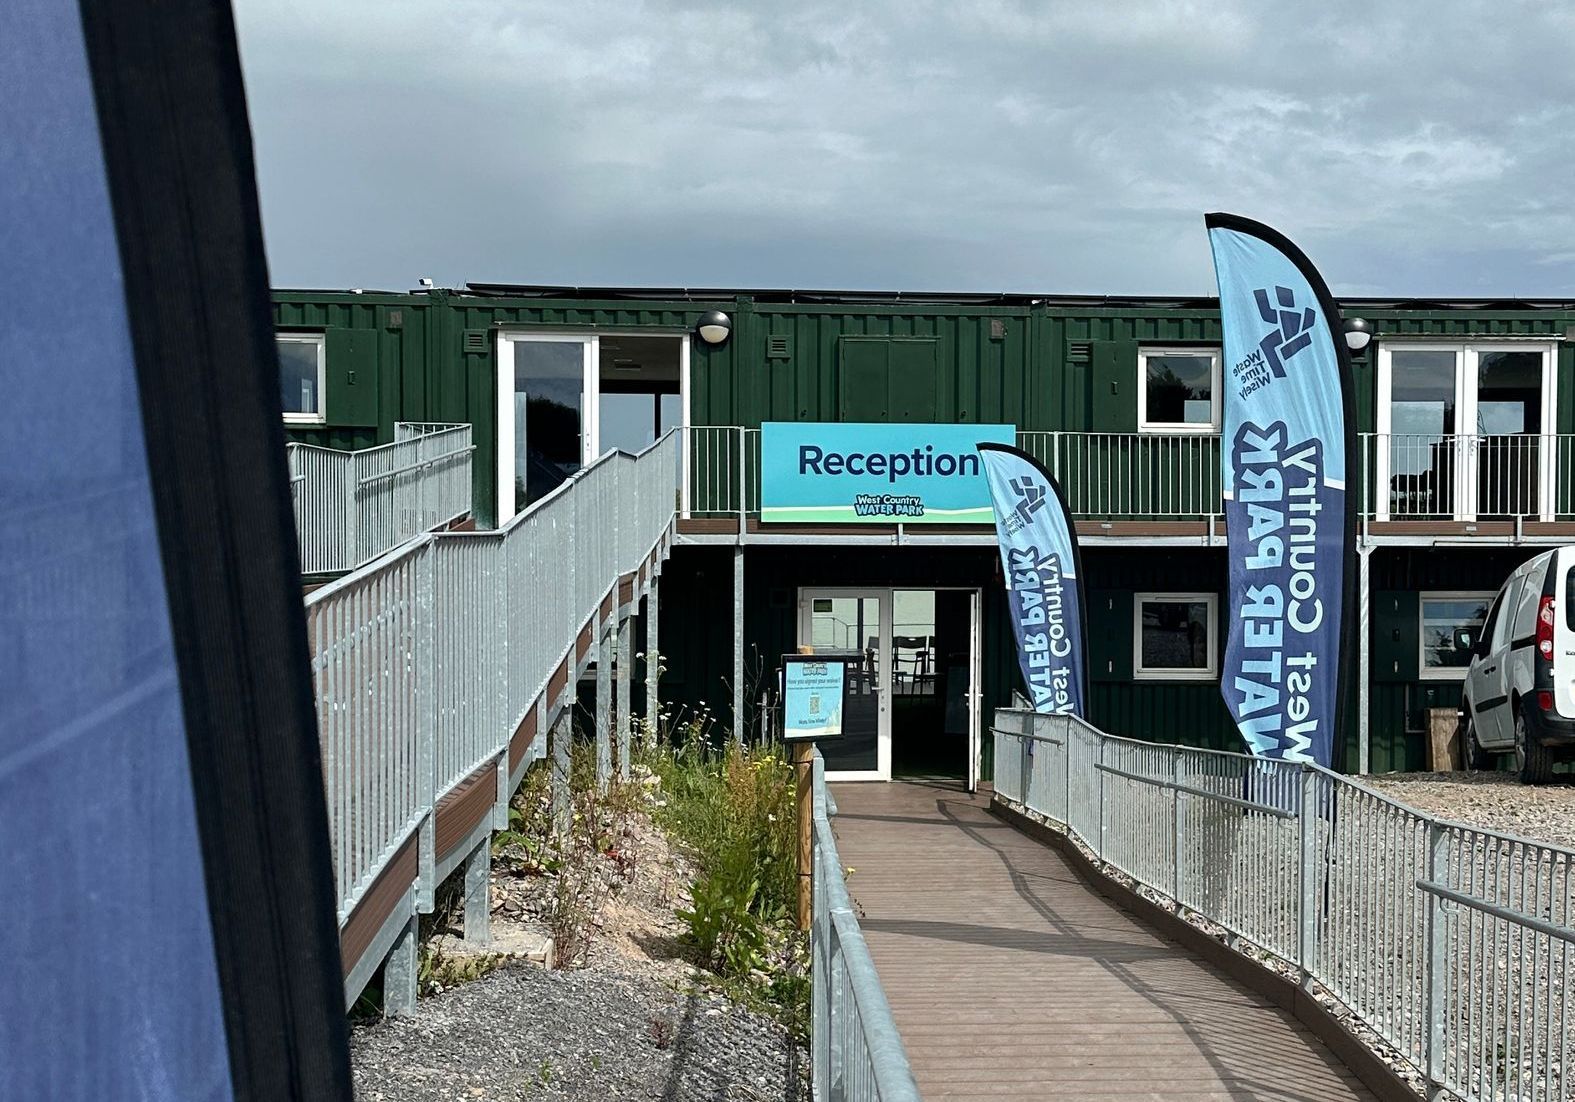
{"x":177,"y":147}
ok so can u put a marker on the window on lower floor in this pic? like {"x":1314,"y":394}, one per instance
{"x":1179,"y":390}
{"x":1174,"y":636}
{"x":301,"y":368}
{"x":1443,"y":615}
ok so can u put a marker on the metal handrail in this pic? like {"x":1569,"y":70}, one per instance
{"x":1192,"y":790}
{"x":416,"y":465}
{"x":428,"y":659}
{"x":856,"y":1051}
{"x":1454,"y":944}
{"x":349,"y":509}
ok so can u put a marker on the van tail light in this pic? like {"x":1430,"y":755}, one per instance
{"x":1544,"y":700}
{"x":1545,"y":628}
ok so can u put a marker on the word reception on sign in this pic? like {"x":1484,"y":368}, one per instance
{"x":813,"y":690}
{"x":857,"y":473}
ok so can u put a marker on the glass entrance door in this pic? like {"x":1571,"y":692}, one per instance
{"x":544,"y":381}
{"x":1463,"y":431}
{"x":856,"y":624}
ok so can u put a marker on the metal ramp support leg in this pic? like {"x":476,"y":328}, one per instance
{"x":562,"y":735}
{"x":400,"y":972}
{"x":478,"y":896}
{"x":739,"y":721}
{"x":604,"y":704}
{"x":653,"y":661}
{"x":625,"y":652}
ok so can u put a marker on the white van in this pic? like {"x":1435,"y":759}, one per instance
{"x":1520,"y":689}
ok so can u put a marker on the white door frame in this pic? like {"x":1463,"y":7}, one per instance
{"x":590,"y":398}
{"x":1464,"y":490}
{"x":975,"y":686}
{"x":883,"y":596}
{"x":973,"y":695}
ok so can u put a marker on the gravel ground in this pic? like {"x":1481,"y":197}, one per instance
{"x":635,"y":1022}
{"x":593,"y":1033}
{"x":1496,"y":801}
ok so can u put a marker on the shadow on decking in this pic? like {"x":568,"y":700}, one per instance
{"x":1244,"y":1040}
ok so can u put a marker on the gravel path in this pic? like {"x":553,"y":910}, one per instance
{"x":528,"y":1033}
{"x":1496,"y":801}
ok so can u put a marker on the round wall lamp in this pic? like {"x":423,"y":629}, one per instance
{"x":1357,"y":333}
{"x":714,"y":326}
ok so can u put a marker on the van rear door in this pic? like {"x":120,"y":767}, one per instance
{"x":1563,"y":565}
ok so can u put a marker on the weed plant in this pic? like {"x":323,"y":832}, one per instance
{"x":733,"y":809}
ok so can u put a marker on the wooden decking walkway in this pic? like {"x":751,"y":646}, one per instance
{"x":1008,"y":977}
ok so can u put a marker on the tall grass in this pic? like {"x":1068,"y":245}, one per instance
{"x":733,"y":810}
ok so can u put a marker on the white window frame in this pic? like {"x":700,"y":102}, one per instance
{"x":1444,"y":673}
{"x":1207,"y":673}
{"x":1466,"y":353}
{"x":1216,"y":384}
{"x":320,"y":340}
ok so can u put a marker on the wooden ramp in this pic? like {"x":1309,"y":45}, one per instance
{"x":1008,"y":977}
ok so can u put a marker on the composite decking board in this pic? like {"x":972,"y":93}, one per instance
{"x":1009,"y":977}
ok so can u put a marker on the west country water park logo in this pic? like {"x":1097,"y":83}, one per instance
{"x":1290,"y":333}
{"x":1030,"y":499}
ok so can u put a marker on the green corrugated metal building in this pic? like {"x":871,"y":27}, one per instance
{"x":1466,"y":411}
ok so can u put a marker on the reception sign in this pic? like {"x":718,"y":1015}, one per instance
{"x":1285,"y":458}
{"x":850,"y":473}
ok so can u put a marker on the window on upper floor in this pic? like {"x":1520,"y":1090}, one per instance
{"x":1443,"y":615}
{"x":1174,"y":636}
{"x":1179,"y":390}
{"x":302,"y":365}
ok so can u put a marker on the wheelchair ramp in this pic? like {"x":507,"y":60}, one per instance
{"x":1010,"y":978}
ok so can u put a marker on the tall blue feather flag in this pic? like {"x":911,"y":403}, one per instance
{"x":1286,"y":454}
{"x":1044,"y":585}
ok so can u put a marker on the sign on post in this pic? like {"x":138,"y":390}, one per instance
{"x":813,"y":690}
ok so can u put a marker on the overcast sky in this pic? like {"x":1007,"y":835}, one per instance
{"x":992,"y":146}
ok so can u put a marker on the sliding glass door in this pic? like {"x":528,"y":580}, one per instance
{"x":563,"y":399}
{"x":1464,"y":431}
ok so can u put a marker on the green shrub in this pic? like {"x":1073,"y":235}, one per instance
{"x":734,"y":811}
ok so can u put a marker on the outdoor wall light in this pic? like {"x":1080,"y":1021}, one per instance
{"x":715,"y":326}
{"x":1357,"y":333}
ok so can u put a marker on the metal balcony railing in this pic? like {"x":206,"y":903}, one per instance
{"x":351,"y":507}
{"x":1111,"y":476}
{"x":1469,"y":476}
{"x":1452,"y":943}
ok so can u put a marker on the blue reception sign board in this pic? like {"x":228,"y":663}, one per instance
{"x":812,"y":692}
{"x":851,"y":473}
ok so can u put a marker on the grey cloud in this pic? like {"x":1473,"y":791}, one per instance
{"x":1063,"y":147}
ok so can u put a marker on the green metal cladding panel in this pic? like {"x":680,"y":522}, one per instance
{"x":1048,"y":366}
{"x":842,"y":363}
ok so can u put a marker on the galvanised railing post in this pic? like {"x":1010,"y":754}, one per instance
{"x":1066,"y":769}
{"x":1307,"y":877}
{"x":352,"y":500}
{"x":1368,"y":443}
{"x":426,"y":718}
{"x":1178,"y":823}
{"x":743,"y":484}
{"x":1436,"y":964}
{"x":1099,"y":849}
{"x":1026,"y":747}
